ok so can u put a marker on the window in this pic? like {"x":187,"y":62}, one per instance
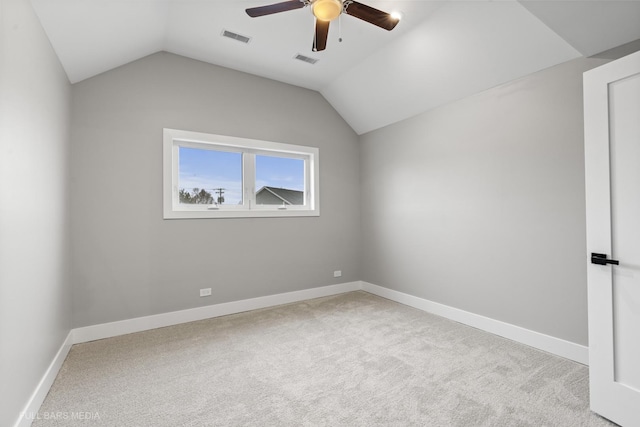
{"x":215,"y":176}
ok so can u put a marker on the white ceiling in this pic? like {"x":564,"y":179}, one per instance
{"x":440,"y":51}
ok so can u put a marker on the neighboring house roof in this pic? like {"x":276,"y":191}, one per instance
{"x":276,"y":196}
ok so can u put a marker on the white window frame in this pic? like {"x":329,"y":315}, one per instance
{"x":173,"y":139}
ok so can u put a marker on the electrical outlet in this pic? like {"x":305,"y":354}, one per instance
{"x":337,"y":273}
{"x":205,"y":292}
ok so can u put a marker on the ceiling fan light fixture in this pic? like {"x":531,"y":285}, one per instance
{"x":327,"y":10}
{"x":396,"y":15}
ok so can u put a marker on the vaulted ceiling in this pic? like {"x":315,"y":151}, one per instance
{"x":440,"y":51}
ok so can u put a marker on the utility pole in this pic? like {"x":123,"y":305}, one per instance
{"x":220,"y":192}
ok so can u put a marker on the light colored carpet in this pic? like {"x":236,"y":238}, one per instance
{"x":347,"y":360}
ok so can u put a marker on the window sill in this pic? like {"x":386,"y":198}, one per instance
{"x":227,"y":213}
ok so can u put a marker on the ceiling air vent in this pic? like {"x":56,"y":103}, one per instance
{"x":306,"y":59}
{"x":235,"y":36}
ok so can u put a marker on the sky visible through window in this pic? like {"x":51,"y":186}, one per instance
{"x":220,"y":173}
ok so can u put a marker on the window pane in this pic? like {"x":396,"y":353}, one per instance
{"x":279,"y":180}
{"x":210,"y":176}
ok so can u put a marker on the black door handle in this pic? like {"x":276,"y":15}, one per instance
{"x":601,"y":259}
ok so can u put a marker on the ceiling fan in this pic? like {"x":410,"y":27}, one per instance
{"x":326,"y":11}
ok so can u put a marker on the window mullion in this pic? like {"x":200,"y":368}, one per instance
{"x":249,"y":179}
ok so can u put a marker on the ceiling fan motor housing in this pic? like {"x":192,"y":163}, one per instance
{"x":327,"y":10}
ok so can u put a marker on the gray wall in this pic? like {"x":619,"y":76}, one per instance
{"x":479,"y":204}
{"x":128,"y":261}
{"x":35,"y":309}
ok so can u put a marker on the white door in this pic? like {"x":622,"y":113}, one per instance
{"x":612,"y":156}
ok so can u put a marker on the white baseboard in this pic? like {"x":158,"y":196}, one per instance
{"x":138,"y":324}
{"x":30,"y":410}
{"x":557,"y":346}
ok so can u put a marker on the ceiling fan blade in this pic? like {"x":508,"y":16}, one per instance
{"x":274,"y":8}
{"x":371,"y":15}
{"x":320,"y":38}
